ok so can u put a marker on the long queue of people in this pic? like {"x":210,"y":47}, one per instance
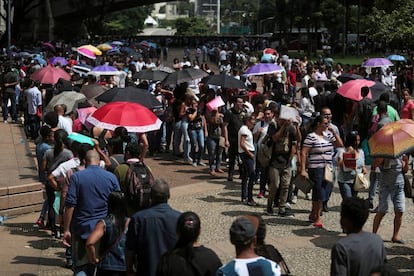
{"x":306,"y":145}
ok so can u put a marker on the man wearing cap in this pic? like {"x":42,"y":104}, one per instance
{"x":247,"y":262}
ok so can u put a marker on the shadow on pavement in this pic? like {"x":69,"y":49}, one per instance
{"x":25,"y":229}
{"x":49,"y":261}
{"x":322,"y":237}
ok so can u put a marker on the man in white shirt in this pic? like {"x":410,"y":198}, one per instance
{"x":64,"y":122}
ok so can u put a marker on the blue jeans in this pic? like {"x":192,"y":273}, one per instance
{"x":197,"y":137}
{"x":13,"y":108}
{"x":347,"y":190}
{"x":181,"y":130}
{"x":214,"y":153}
{"x":248,"y":177}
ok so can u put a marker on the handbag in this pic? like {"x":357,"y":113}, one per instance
{"x":408,"y":187}
{"x":328,"y":175}
{"x":302,"y":183}
{"x":361,"y":183}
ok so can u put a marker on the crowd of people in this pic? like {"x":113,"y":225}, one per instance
{"x":86,"y":184}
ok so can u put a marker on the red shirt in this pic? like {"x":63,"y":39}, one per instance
{"x":291,"y":75}
{"x":405,"y":112}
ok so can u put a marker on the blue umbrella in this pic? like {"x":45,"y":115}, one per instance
{"x":39,"y":59}
{"x":396,"y":58}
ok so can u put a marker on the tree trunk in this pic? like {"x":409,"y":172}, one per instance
{"x":51,"y":20}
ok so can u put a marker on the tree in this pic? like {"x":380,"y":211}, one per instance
{"x":192,"y":26}
{"x":394,"y":27}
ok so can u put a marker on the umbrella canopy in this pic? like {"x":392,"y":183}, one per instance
{"x":117,"y":43}
{"x":225,"y":81}
{"x":86,"y":53}
{"x":352,"y":89}
{"x":82,"y":69}
{"x":393,"y":139}
{"x":69,"y":98}
{"x":397,"y":58}
{"x":155,"y":75}
{"x":377,"y":62}
{"x":83,"y":113}
{"x":39,"y":59}
{"x":134,"y":117}
{"x":48,"y":46}
{"x":130,"y":94}
{"x":185,"y":75}
{"x":58,"y":60}
{"x":104,"y":68}
{"x":49,"y":75}
{"x":377,"y":89}
{"x":347,"y":77}
{"x":91,"y":48}
{"x":104,"y":47}
{"x":270,"y":51}
{"x":263,"y":69}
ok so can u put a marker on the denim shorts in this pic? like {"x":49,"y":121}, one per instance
{"x":391,"y":192}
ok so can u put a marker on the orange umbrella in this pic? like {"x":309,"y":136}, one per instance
{"x":393,"y":139}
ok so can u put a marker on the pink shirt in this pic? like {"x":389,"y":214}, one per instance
{"x":405,"y":112}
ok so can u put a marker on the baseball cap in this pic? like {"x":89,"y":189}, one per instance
{"x":242,"y":231}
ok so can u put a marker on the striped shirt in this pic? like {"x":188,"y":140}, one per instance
{"x":258,"y":266}
{"x":321,"y":149}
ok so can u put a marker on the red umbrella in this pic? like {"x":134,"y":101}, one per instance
{"x":352,"y":89}
{"x":134,"y":117}
{"x":49,"y":75}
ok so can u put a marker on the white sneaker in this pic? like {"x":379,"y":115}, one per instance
{"x":5,"y":122}
{"x":308,"y":196}
{"x":194,"y":164}
{"x":201,"y":164}
{"x":287,"y":206}
{"x":294,"y":199}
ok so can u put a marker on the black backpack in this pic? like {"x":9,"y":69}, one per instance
{"x":138,"y":183}
{"x":366,"y":115}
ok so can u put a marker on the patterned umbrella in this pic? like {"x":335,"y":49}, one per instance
{"x":91,"y":48}
{"x":86,"y":53}
{"x":393,"y":139}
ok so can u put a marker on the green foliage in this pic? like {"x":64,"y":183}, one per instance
{"x":130,"y":21}
{"x":192,"y":26}
{"x":394,"y":27}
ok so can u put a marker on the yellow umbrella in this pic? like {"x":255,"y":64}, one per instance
{"x":104,"y":47}
{"x":91,"y":48}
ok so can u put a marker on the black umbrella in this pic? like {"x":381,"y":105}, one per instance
{"x":185,"y":75}
{"x":130,"y":94}
{"x":155,"y":75}
{"x":379,"y":88}
{"x":347,"y":77}
{"x":225,"y":81}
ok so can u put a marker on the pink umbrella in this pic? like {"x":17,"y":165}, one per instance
{"x":49,"y":75}
{"x":83,"y":113}
{"x":352,"y":89}
{"x":133,"y":116}
{"x":86,"y":53}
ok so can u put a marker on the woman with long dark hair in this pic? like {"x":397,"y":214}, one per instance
{"x":188,"y":257}
{"x":51,"y":160}
{"x":110,"y":232}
